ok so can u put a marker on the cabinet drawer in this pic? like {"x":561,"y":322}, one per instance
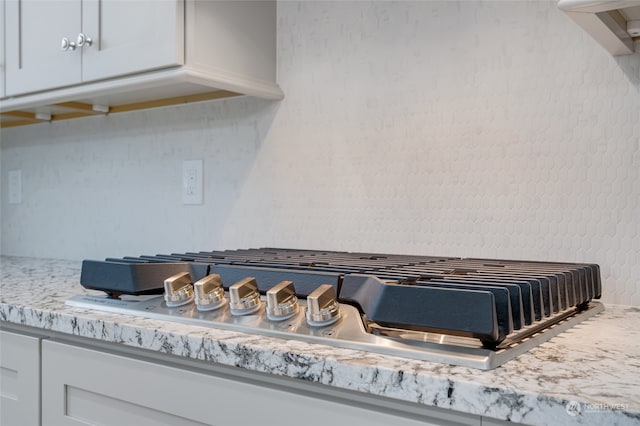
{"x":85,"y":386}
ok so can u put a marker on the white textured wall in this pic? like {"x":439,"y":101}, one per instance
{"x":469,"y":129}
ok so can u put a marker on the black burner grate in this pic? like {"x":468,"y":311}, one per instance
{"x":489,"y":299}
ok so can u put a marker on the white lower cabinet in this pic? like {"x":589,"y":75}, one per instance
{"x":51,"y":382}
{"x":86,"y":386}
{"x":19,"y":379}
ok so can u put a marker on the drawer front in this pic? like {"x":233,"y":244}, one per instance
{"x":86,"y":386}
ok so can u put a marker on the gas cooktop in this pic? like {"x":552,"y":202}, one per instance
{"x":478,"y":313}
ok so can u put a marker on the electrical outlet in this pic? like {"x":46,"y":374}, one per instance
{"x":15,"y":186}
{"x":192,"y":182}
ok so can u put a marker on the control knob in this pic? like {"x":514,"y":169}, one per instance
{"x":244,"y":298}
{"x":282,"y":302}
{"x":209,"y":293}
{"x":322,"y":306}
{"x":178,"y":290}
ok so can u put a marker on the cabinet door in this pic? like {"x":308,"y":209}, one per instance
{"x":19,"y":380}
{"x":34,"y":31}
{"x":131,"y":36}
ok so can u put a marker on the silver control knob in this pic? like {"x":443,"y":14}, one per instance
{"x":244,"y":298}
{"x":282,"y":302}
{"x":83,"y":40}
{"x":178,"y":290}
{"x":322,"y":306}
{"x":209,"y":294}
{"x":66,"y":44}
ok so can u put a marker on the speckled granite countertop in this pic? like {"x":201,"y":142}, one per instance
{"x":594,"y":366}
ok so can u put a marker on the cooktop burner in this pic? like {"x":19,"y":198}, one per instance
{"x":472,"y":312}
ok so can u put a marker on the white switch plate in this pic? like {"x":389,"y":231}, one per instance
{"x":192,"y":182}
{"x":15,"y":186}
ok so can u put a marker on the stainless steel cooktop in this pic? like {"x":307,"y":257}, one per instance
{"x":476,"y":313}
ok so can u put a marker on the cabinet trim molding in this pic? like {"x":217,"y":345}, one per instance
{"x":132,"y":93}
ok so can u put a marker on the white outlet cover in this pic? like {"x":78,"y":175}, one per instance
{"x":15,"y":186}
{"x":192,"y":182}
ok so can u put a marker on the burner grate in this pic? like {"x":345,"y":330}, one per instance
{"x":496,"y":302}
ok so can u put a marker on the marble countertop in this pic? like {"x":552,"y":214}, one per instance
{"x":594,"y":367}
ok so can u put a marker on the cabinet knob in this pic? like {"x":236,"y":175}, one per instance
{"x":66,"y":44}
{"x":83,"y":40}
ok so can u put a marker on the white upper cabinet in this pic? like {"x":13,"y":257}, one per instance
{"x":615,"y":24}
{"x":59,"y":43}
{"x":130,"y":36}
{"x":73,"y":58}
{"x":34,"y":31}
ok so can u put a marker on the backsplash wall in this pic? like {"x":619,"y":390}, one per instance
{"x":494,"y":129}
